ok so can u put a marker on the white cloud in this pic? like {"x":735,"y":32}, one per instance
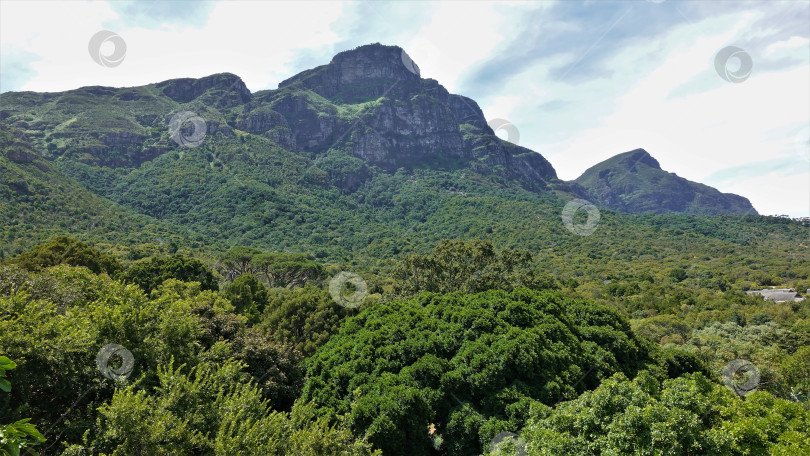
{"x":255,"y":40}
{"x":713,"y":126}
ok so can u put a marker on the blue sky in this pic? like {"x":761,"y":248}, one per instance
{"x":581,"y":80}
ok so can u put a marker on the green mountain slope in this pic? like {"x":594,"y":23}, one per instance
{"x":37,"y":202}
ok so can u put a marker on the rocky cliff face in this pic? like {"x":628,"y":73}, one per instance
{"x":369,"y":102}
{"x":372,"y":103}
{"x":634,"y":182}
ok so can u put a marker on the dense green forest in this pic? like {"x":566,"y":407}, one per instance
{"x":355,"y":264}
{"x":469,"y":349}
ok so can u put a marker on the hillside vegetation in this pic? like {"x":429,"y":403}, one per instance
{"x":355,"y":264}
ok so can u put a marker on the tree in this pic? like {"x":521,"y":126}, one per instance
{"x":795,"y":374}
{"x":238,"y":261}
{"x":305,"y":317}
{"x":248,"y":296}
{"x":149,"y":274}
{"x":288,"y":269}
{"x":399,"y":366}
{"x":178,"y":324}
{"x":212,"y":408}
{"x":67,"y":250}
{"x":470,"y":267}
{"x":279,"y":269}
{"x":19,"y":435}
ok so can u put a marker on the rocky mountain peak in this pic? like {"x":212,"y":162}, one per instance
{"x":620,"y":183}
{"x":375,"y":61}
{"x":229,"y":89}
{"x":636,"y":156}
{"x":357,"y":75}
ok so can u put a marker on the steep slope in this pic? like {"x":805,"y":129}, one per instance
{"x":368,"y":103}
{"x":37,"y":202}
{"x":634,"y":182}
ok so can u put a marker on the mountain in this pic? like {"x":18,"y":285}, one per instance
{"x":38,"y":202}
{"x":357,"y":155}
{"x":634,"y":182}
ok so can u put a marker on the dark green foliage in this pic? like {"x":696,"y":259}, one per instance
{"x":20,"y":435}
{"x":678,"y":362}
{"x":277,"y":268}
{"x":305,"y":317}
{"x":248,"y":296}
{"x":470,"y":267}
{"x":149,"y":274}
{"x":398,"y":367}
{"x":66,"y":250}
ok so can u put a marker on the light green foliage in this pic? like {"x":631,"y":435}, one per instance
{"x":685,"y":415}
{"x":211,"y":409}
{"x":794,"y":372}
{"x":55,"y":344}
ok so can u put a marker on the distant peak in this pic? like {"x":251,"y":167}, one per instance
{"x":636,"y":156}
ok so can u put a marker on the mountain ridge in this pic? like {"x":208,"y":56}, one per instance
{"x":271,"y":165}
{"x":634,"y":182}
